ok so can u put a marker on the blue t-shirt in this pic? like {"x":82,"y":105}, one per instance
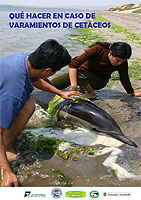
{"x":15,"y":87}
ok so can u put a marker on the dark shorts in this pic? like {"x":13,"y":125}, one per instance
{"x":86,"y":77}
{"x":83,"y":78}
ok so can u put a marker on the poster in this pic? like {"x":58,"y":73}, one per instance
{"x":58,"y":159}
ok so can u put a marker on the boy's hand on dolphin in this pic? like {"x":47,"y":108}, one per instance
{"x":66,"y":95}
{"x":9,"y":180}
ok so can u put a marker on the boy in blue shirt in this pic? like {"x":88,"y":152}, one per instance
{"x":18,"y":73}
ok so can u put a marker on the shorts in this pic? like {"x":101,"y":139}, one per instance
{"x":86,"y":77}
{"x":83,"y":78}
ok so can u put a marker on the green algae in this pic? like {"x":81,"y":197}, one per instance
{"x":115,"y":171}
{"x":75,"y":159}
{"x":135,"y":165}
{"x":53,"y":108}
{"x":50,"y":144}
{"x":27,"y":143}
{"x":135,"y":69}
{"x":75,"y":152}
{"x":32,"y":147}
{"x":65,"y":155}
{"x":137,"y":11}
{"x":131,"y":37}
{"x":109,"y":105}
{"x":88,"y":36}
{"x":130,"y":7}
{"x":63,"y":179}
{"x":91,"y":153}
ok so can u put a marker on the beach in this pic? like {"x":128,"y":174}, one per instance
{"x":124,"y":18}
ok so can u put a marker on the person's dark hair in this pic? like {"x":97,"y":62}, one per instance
{"x":118,"y":49}
{"x":121,"y":50}
{"x":103,"y":44}
{"x":50,"y":54}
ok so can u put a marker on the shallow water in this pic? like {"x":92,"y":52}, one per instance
{"x":20,"y":40}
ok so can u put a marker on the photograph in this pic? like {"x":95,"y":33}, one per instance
{"x":70,"y":112}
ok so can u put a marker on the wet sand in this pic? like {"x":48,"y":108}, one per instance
{"x":127,"y":20}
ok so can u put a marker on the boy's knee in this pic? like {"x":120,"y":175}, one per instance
{"x":61,"y":82}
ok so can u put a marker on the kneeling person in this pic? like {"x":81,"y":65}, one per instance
{"x":19,"y":73}
{"x":92,"y":69}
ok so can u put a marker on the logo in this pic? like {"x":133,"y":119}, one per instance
{"x":56,"y":193}
{"x":75,"y":194}
{"x":94,"y":194}
{"x":27,"y":194}
{"x":116,"y":194}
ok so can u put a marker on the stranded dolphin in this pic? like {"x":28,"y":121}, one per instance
{"x":84,"y":112}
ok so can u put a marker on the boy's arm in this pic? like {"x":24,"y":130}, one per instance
{"x":73,"y":78}
{"x":43,"y":85}
{"x":8,"y":178}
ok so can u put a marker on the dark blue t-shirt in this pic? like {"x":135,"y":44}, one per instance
{"x":15,"y":87}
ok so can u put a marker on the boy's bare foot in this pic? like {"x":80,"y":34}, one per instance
{"x":89,"y":95}
{"x":11,"y":155}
